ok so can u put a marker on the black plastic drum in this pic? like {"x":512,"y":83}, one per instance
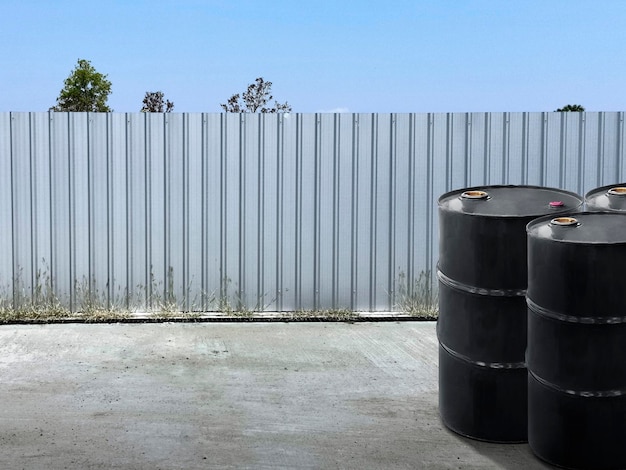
{"x":610,"y":198}
{"x":482,"y":310}
{"x":576,"y":352}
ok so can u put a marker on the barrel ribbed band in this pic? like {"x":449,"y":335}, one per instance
{"x":586,"y":319}
{"x":479,"y":290}
{"x":579,"y":393}
{"x":487,"y":365}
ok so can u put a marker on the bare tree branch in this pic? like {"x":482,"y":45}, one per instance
{"x":254,"y":100}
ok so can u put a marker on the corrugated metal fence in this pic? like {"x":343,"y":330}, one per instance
{"x":275,"y":212}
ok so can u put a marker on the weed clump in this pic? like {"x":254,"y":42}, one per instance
{"x":419,"y":299}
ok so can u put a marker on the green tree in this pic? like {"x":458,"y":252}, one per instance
{"x":85,"y":90}
{"x":153,"y":103}
{"x":576,"y":108}
{"x":254,"y":100}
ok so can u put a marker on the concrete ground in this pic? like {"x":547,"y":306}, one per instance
{"x":230,"y":395}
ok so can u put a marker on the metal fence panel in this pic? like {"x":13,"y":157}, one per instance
{"x":21,"y":189}
{"x":361,"y":233}
{"x":6,"y":209}
{"x":262,"y":211}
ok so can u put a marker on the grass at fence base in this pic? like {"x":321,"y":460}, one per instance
{"x":9,"y":316}
{"x":42,"y":306}
{"x":419,"y":299}
{"x":326,"y":314}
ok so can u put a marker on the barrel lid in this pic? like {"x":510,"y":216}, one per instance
{"x":581,"y":227}
{"x":510,"y":201}
{"x":611,"y":197}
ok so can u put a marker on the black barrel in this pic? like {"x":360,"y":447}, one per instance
{"x":610,"y":198}
{"x":482,"y":312}
{"x":576,"y":352}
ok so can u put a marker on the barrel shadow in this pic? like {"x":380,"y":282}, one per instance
{"x":504,"y":456}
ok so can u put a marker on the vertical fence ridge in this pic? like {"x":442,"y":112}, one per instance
{"x":391,"y":208}
{"x":354,"y":209}
{"x":12,"y":211}
{"x":410,"y":200}
{"x":524,"y":138}
{"x":600,"y":151}
{"x":373,"y":209}
{"x":619,"y":161}
{"x":277,"y":291}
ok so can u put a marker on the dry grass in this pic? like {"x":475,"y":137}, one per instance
{"x":41,"y":305}
{"x":419,"y":299}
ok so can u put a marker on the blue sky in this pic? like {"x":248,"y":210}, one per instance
{"x":324,"y":55}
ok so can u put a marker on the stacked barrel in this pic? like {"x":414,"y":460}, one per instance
{"x":577,"y":340}
{"x":482,"y":310}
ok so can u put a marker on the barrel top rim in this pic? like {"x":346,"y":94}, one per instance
{"x":513,"y":207}
{"x":582,"y":232}
{"x":602,"y":190}
{"x":604,"y":199}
